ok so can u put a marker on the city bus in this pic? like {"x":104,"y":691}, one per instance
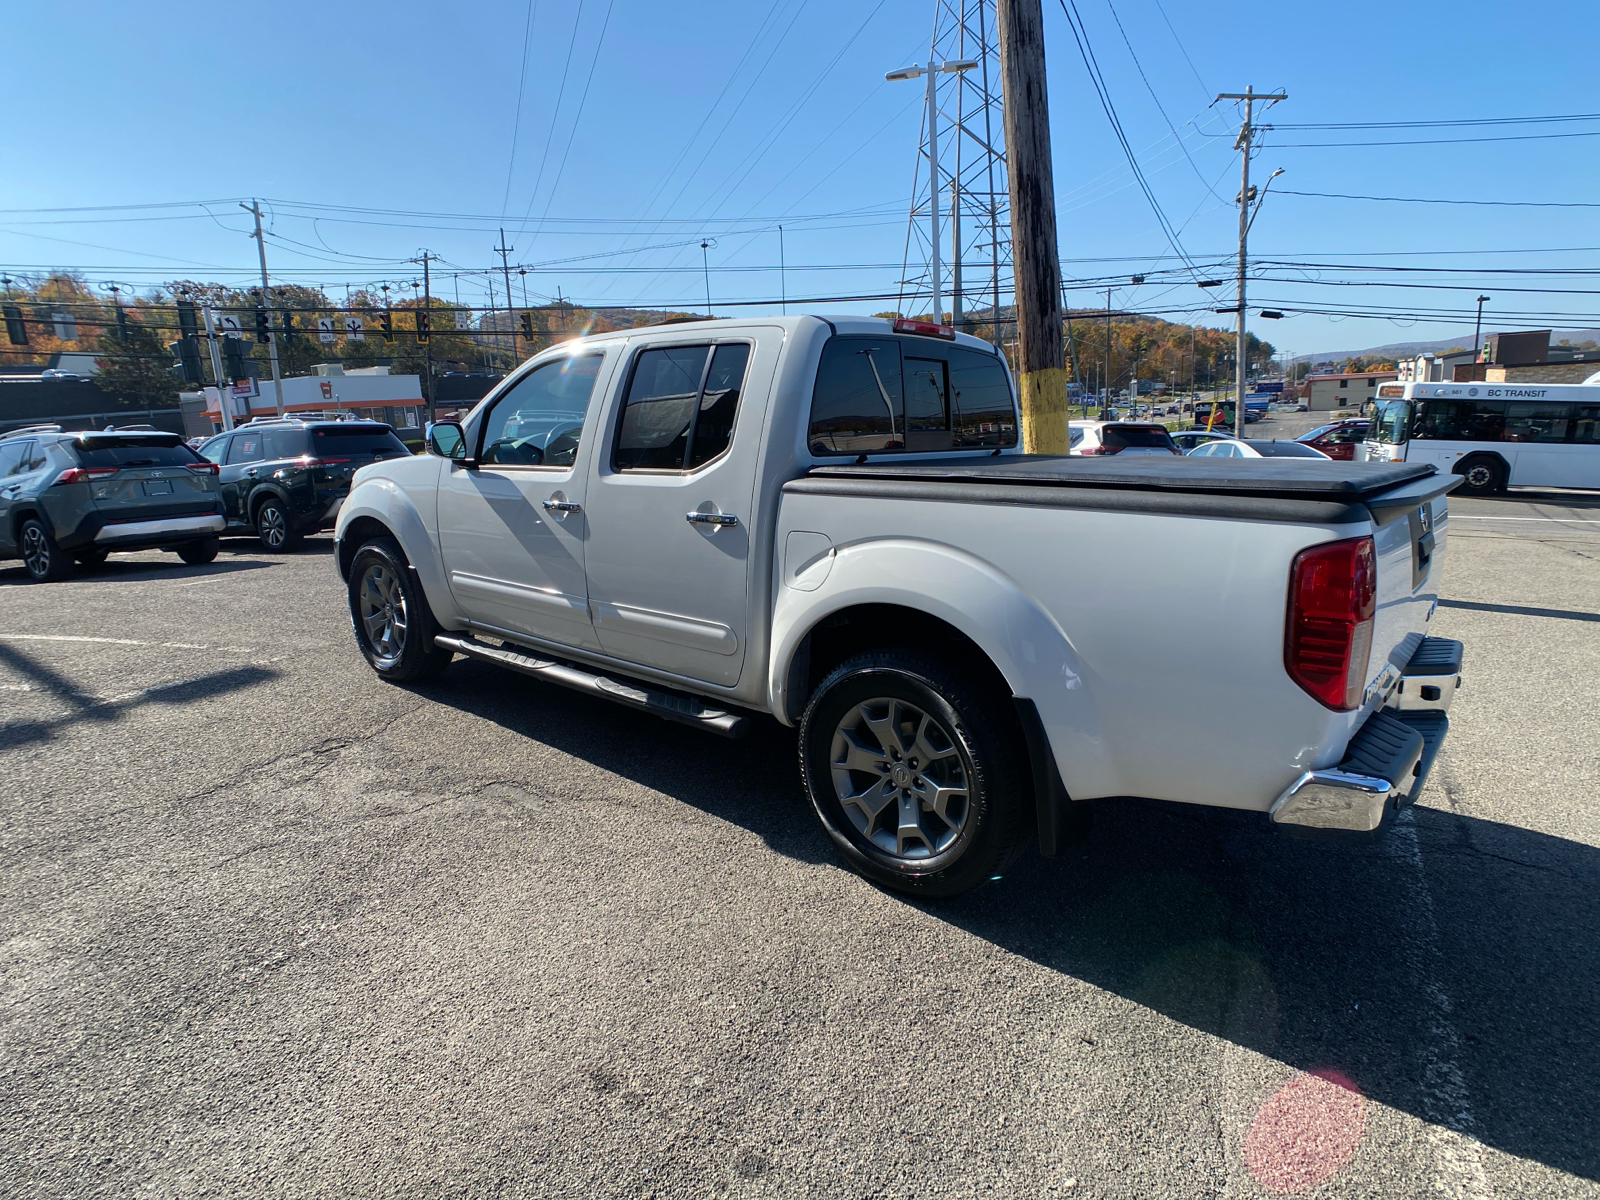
{"x":1494,"y":435}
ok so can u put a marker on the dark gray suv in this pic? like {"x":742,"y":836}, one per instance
{"x":68,"y":497}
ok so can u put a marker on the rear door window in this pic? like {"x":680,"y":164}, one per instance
{"x":247,"y":447}
{"x":285,"y":443}
{"x":12,"y":456}
{"x":107,"y":452}
{"x":680,"y":406}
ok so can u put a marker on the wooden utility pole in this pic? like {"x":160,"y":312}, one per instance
{"x":1251,"y":98}
{"x":1035,"y":263}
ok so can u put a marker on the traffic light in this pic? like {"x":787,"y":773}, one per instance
{"x":263,"y":326}
{"x":386,"y":325}
{"x":287,"y":318}
{"x":233,"y":357}
{"x":527,"y":325}
{"x":16,"y":327}
{"x":424,"y":326}
{"x":187,"y":353}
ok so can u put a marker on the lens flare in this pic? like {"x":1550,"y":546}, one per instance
{"x":1305,"y":1131}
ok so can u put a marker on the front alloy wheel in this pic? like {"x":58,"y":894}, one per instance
{"x":383,"y":613}
{"x":389,"y":615}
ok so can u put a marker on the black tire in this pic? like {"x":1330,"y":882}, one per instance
{"x":979,"y":754}
{"x":275,"y":527}
{"x":196,"y":553}
{"x":383,"y":586}
{"x":44,"y":561}
{"x":1482,"y":477}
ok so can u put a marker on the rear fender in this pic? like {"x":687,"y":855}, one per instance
{"x":393,"y":507}
{"x":1024,"y":642}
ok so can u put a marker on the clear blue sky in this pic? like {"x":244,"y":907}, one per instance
{"x":714,"y":120}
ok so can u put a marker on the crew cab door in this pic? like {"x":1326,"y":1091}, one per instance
{"x":512,"y":527}
{"x":669,"y":505}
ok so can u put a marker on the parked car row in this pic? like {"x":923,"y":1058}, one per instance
{"x":73,"y":498}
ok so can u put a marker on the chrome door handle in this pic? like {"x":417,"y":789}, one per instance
{"x":250,"y":471}
{"x":563,"y":506}
{"x":718,"y":519}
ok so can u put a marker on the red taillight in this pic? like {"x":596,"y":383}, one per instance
{"x":1332,"y":595}
{"x":926,"y":328}
{"x":308,"y":461}
{"x":82,"y":474}
{"x":206,"y":468}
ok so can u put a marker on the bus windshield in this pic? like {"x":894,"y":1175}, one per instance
{"x":1392,"y":422}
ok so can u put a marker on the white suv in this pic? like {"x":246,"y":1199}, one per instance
{"x":1119,"y":437}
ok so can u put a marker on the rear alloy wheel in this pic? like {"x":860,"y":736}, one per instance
{"x":389,"y":615}
{"x":916,"y":771}
{"x":196,"y":553}
{"x":1482,"y":477}
{"x":273,"y":528}
{"x":45,"y":561}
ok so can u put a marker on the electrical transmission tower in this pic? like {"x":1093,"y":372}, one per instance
{"x":968,"y":157}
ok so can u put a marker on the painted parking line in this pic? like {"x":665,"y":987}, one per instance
{"x":63,"y":637}
{"x":1549,"y":520}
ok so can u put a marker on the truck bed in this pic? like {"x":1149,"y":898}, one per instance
{"x":1249,"y":489}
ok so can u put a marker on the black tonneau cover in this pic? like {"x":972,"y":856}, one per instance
{"x":1291,"y":479}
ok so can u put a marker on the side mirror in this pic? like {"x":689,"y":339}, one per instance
{"x":447,"y":439}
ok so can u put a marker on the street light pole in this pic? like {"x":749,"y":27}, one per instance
{"x":916,"y":71}
{"x":1477,"y":331}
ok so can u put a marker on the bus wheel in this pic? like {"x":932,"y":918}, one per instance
{"x":1484,"y":476}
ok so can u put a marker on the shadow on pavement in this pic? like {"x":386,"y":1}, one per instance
{"x":84,"y":708}
{"x":1455,"y":949}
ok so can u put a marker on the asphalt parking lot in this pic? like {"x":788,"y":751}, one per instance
{"x":272,"y":927}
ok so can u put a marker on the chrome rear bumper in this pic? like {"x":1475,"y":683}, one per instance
{"x":1386,"y":763}
{"x":144,"y":531}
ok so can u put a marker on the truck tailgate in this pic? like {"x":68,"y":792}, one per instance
{"x":1409,"y":528}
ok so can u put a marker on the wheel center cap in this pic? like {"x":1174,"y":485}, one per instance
{"x":901,"y":776}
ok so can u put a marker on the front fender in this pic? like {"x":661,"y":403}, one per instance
{"x":1025,"y":643}
{"x":399,"y":510}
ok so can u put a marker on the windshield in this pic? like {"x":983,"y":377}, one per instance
{"x":1391,"y":422}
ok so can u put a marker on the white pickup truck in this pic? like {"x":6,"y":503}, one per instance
{"x":827,"y":520}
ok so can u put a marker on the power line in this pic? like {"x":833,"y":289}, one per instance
{"x":1473,"y":203}
{"x":1520,"y":137}
{"x":522,"y":80}
{"x":1086,"y":52}
{"x":1439,"y":124}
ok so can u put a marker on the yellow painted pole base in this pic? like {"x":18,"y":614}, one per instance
{"x":1044,"y":411}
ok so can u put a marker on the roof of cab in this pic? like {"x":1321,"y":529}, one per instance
{"x":850,"y":324}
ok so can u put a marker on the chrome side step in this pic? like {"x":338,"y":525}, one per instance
{"x":671,"y":706}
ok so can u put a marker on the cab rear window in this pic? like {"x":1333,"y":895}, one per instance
{"x":133,"y":452}
{"x":358,"y":439}
{"x":891,"y":394}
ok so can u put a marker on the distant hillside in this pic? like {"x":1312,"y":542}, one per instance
{"x":1396,"y":349}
